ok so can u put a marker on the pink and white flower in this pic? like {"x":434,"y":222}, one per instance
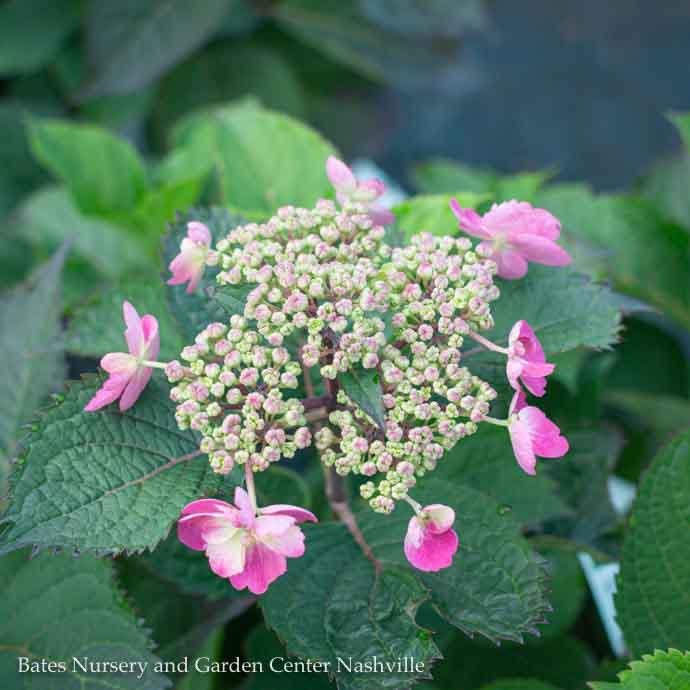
{"x":349,"y":190}
{"x":526,"y":360}
{"x":514,"y":233}
{"x":129,"y":372}
{"x":533,"y":434}
{"x":189,"y":264}
{"x":248,"y":547}
{"x":431,"y":541}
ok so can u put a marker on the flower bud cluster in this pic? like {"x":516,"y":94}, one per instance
{"x":325,"y":281}
{"x":230,"y":389}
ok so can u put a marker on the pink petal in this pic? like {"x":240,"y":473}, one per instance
{"x":511,"y":264}
{"x":198,"y":232}
{"x":152,"y":338}
{"x":190,"y":532}
{"x":244,"y":506}
{"x":470,"y":221}
{"x":535,"y":385}
{"x":262,"y":566}
{"x":340,"y":176}
{"x":299,"y":514}
{"x":545,"y":435}
{"x":229,"y":557}
{"x":518,"y":402}
{"x":428,"y":551}
{"x":368,"y":191}
{"x":380,"y":215}
{"x":541,"y":250}
{"x":537,"y":369}
{"x":109,"y":392}
{"x":269,"y":526}
{"x":521,"y":330}
{"x":134,"y":333}
{"x":134,"y":388}
{"x":513,"y":372}
{"x":289,"y":543}
{"x":442,"y":517}
{"x":195,"y":515}
{"x":119,"y":363}
{"x":208,"y":506}
{"x":522,"y":446}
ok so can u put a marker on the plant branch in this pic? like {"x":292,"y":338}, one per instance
{"x":340,"y":505}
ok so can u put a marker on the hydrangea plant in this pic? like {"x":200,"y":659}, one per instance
{"x":350,"y":344}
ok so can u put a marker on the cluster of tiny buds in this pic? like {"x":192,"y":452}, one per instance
{"x":230,"y":389}
{"x":324,"y":283}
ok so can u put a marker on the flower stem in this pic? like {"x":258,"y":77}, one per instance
{"x":496,"y":422}
{"x":417,"y":507}
{"x":251,"y":489}
{"x":154,"y":365}
{"x":488,"y":344}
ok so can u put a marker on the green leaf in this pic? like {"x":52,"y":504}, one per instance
{"x":49,"y":217}
{"x":263,"y":160}
{"x":565,"y":309}
{"x":582,"y":476}
{"x":654,"y":580}
{"x":363,"y":387}
{"x":494,"y":586}
{"x":447,"y":177}
{"x":666,"y":414}
{"x":667,"y":187}
{"x":194,"y":312}
{"x":213,"y":651}
{"x":103,"y":173}
{"x":59,"y":607}
{"x":659,"y":671}
{"x":431,"y":213}
{"x":519,"y":684}
{"x":32,"y":31}
{"x":97,"y":327}
{"x":230,"y":69}
{"x":485,"y":461}
{"x":131,"y":43}
{"x":263,"y":646}
{"x":19,"y":172}
{"x":33,"y":362}
{"x":647,"y":254}
{"x":333,"y":603}
{"x":282,"y":485}
{"x":181,"y":624}
{"x":568,"y":591}
{"x":564,"y":662}
{"x":104,"y":481}
{"x":343,"y":32}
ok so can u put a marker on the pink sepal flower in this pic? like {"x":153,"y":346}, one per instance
{"x":128,"y":375}
{"x":533,"y":434}
{"x":430,"y":542}
{"x":189,"y":264}
{"x":526,"y":360}
{"x":514,"y":233}
{"x":349,"y":190}
{"x":249,"y":550}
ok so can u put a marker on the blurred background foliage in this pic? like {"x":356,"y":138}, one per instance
{"x":117,"y":115}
